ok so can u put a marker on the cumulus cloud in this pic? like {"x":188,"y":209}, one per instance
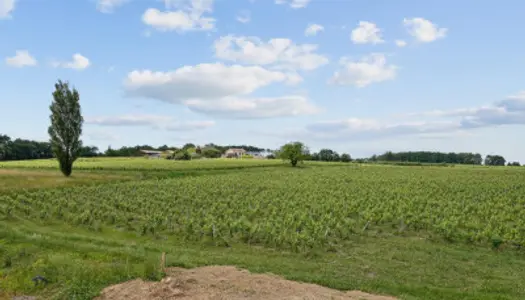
{"x":188,"y":16}
{"x":6,"y":8}
{"x":366,"y":33}
{"x":108,"y":6}
{"x":218,"y":89}
{"x":294,"y":3}
{"x":279,"y":53}
{"x":243,"y":16}
{"x":424,"y":30}
{"x":254,"y":108}
{"x":153,"y":121}
{"x":203,"y":81}
{"x":79,"y":62}
{"x":21,"y":59}
{"x":369,"y":69}
{"x":509,"y":111}
{"x":313,"y":29}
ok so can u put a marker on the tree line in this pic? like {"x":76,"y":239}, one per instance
{"x":22,"y":149}
{"x":433,"y":157}
{"x":297,"y":152}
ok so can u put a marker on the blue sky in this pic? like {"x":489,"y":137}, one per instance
{"x":356,"y":76}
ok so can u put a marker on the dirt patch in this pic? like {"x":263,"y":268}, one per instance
{"x":219,"y":282}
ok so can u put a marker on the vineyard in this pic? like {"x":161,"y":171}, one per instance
{"x":310,"y":210}
{"x":296,"y":209}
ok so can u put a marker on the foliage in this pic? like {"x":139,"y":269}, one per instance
{"x":326,"y":155}
{"x":20,"y":149}
{"x":66,"y":126}
{"x":513,"y":164}
{"x":211,"y":152}
{"x":494,"y":160}
{"x":188,"y":146}
{"x":329,"y":155}
{"x":182,"y":155}
{"x":133,"y":151}
{"x":294,"y":152}
{"x":430,"y":157}
{"x":345,"y":157}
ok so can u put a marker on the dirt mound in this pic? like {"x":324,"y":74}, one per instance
{"x":219,"y":282}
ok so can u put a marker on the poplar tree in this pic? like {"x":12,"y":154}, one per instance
{"x":66,"y":126}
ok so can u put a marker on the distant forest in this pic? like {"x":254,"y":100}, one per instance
{"x":21,"y":149}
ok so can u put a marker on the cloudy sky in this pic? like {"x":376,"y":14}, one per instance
{"x":357,"y":76}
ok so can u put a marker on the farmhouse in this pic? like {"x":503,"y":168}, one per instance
{"x":234,"y":153}
{"x":151,"y":153}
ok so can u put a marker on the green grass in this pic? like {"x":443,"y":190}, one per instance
{"x":141,"y":164}
{"x":18,"y":179}
{"x":79,"y":263}
{"x":418,"y":262}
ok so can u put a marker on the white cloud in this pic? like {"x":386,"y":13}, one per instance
{"x":401,"y":43}
{"x":252,"y":108}
{"x":188,"y":17}
{"x":510,"y":111}
{"x":280,"y":52}
{"x":153,"y":121}
{"x":206,"y":81}
{"x":424,"y":30}
{"x":79,"y":62}
{"x":294,"y":3}
{"x":370,"y":69}
{"x":217,"y":89}
{"x":108,"y":6}
{"x":21,"y":59}
{"x":366,"y":33}
{"x":243,"y":16}
{"x":6,"y":8}
{"x":313,"y":29}
{"x":371,"y":128}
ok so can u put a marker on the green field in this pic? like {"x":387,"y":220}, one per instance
{"x":416,"y":232}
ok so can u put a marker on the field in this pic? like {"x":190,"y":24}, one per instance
{"x":415,"y":232}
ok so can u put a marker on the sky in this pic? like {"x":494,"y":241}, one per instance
{"x":356,"y":76}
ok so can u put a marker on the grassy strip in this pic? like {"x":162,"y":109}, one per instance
{"x":79,"y":263}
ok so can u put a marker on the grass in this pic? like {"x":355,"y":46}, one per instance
{"x":143,"y":164}
{"x":17,"y":179}
{"x":80,"y":261}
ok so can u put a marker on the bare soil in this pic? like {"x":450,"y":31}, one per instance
{"x":225,"y":282}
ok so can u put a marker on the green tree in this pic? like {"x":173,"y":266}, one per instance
{"x":328,"y":155}
{"x":211,"y":152}
{"x":294,"y":152}
{"x":345,"y":157}
{"x":66,"y":126}
{"x":494,"y":160}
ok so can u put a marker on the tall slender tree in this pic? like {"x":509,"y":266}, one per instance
{"x":66,"y":126}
